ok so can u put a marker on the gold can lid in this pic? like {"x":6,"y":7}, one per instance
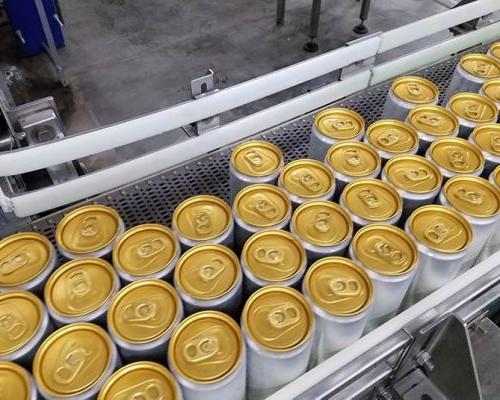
{"x":262,"y":205}
{"x":456,"y":155}
{"x":206,"y":347}
{"x":413,"y":174}
{"x":473,"y":107}
{"x":80,"y":287}
{"x":72,"y":360}
{"x":23,"y":257}
{"x":256,"y":158}
{"x":278,"y":318}
{"x":339,"y":123}
{"x":433,"y":120}
{"x":143,"y":311}
{"x":392,"y":136}
{"x":491,"y":89}
{"x":480,"y":65}
{"x":487,"y":137}
{"x":14,"y":382}
{"x":339,"y":286}
{"x":207,"y":271}
{"x":440,"y":228}
{"x":322,"y":223}
{"x":372,"y":199}
{"x":21,"y":315}
{"x":385,"y":249}
{"x":88,"y":229}
{"x":356,"y":159}
{"x":274,"y":255}
{"x":473,"y":196}
{"x":142,"y":380}
{"x":415,"y":89}
{"x":202,"y":217}
{"x":495,"y":50}
{"x":307,"y":178}
{"x":496,"y":175}
{"x":145,"y":249}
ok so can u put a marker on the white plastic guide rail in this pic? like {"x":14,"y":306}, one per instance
{"x":74,"y":147}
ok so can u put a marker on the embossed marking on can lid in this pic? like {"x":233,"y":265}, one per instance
{"x":339,"y":123}
{"x":413,"y":174}
{"x":206,"y":347}
{"x":480,"y":65}
{"x":257,"y":158}
{"x":72,"y":360}
{"x":23,"y":257}
{"x":21,"y":315}
{"x":202,"y":217}
{"x":143,"y":311}
{"x":262,"y":205}
{"x":80,"y":287}
{"x":491,"y":89}
{"x":456,"y":155}
{"x":142,"y":380}
{"x":487,"y":137}
{"x":274,"y":255}
{"x":307,"y":178}
{"x":440,"y":228}
{"x":473,"y":107}
{"x":14,"y":382}
{"x":355,"y":159}
{"x":415,"y":89}
{"x":339,"y":286}
{"x":88,"y":229}
{"x":433,"y":120}
{"x":385,"y":249}
{"x":392,"y":136}
{"x":207,"y":271}
{"x":322,"y":223}
{"x":278,"y":318}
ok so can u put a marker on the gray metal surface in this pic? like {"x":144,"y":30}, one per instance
{"x":154,"y":199}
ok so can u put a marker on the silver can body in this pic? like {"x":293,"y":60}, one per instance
{"x":359,"y":222}
{"x":425,"y":140}
{"x":341,"y":180}
{"x":396,"y":108}
{"x":321,"y":143}
{"x":466,"y":127}
{"x":462,"y":81}
{"x":238,"y":181}
{"x":226,"y":238}
{"x":386,"y":156}
{"x":298,"y":200}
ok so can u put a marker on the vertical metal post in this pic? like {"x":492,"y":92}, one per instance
{"x":311,"y":45}
{"x":280,"y":12}
{"x":363,"y":16}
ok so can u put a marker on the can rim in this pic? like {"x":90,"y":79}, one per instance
{"x":496,"y":175}
{"x":490,"y":82}
{"x":438,"y":109}
{"x":477,"y":130}
{"x":81,"y":210}
{"x":494,"y":47}
{"x":341,"y":110}
{"x":406,"y":127}
{"x":461,"y":143}
{"x":49,"y":286}
{"x":263,"y":143}
{"x":473,"y":97}
{"x":199,"y":248}
{"x":307,"y":161}
{"x":479,"y":56}
{"x":194,"y":317}
{"x":21,"y":373}
{"x":421,"y":80}
{"x":283,"y":289}
{"x":366,"y":146}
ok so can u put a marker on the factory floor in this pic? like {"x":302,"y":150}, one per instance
{"x":125,"y":58}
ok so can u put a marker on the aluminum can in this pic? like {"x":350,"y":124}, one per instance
{"x":495,"y":177}
{"x":479,"y":202}
{"x":252,"y":162}
{"x":25,"y":324}
{"x":494,"y":51}
{"x":417,"y":180}
{"x":442,"y":236}
{"x":392,"y":138}
{"x":208,"y":358}
{"x":209,"y":276}
{"x":406,"y":93}
{"x":203,"y":219}
{"x":259,"y":207}
{"x":331,"y":126}
{"x":81,"y":291}
{"x":472,"y":110}
{"x":278,"y":326}
{"x":17,"y":383}
{"x":142,"y":380}
{"x":491,"y":90}
{"x":471,"y":72}
{"x":340,"y":294}
{"x":142,"y":317}
{"x":350,"y":161}
{"x":146,"y":251}
{"x":455,"y":156}
{"x":324,"y":229}
{"x":303,"y":180}
{"x":89,"y":231}
{"x":74,"y":362}
{"x":487,"y":138}
{"x":26,"y":261}
{"x":390,"y":258}
{"x":370,"y":201}
{"x":272,"y":257}
{"x":431,"y":123}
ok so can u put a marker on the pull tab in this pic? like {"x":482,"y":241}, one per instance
{"x":79,"y":283}
{"x":369,"y":198}
{"x":438,"y":232}
{"x":481,"y":68}
{"x":14,"y":261}
{"x":310,"y":181}
{"x":200,"y":349}
{"x":12,"y":325}
{"x":322,"y":221}
{"x":418,"y":174}
{"x":353,"y":157}
{"x":414,"y":89}
{"x":265,"y":208}
{"x":458,"y":159}
{"x":255,"y":158}
{"x":342,"y":124}
{"x":211,"y":271}
{"x":389,"y":138}
{"x":140,"y":312}
{"x":149,"y":390}
{"x":430,"y":120}
{"x":202,"y":222}
{"x":473,"y":110}
{"x":269,"y":256}
{"x":89,"y":227}
{"x":469,"y":196}
{"x":70,"y":363}
{"x":495,"y":143}
{"x":388,"y":252}
{"x":151,"y":247}
{"x":284,"y":316}
{"x":345,"y":287}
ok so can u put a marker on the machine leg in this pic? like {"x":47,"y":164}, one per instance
{"x":363,"y":16}
{"x":311,"y":45}
{"x":280,"y":12}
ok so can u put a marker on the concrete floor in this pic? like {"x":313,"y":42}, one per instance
{"x":124,"y":58}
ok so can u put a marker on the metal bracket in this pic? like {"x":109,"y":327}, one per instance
{"x":202,"y":87}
